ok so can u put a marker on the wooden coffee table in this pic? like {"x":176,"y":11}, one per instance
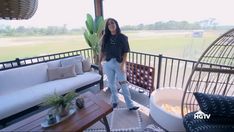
{"x":95,"y":109}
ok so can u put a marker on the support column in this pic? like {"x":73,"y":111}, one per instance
{"x":98,"y":7}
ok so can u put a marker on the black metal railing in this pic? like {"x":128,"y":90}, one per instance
{"x":169,"y":71}
{"x":86,"y":53}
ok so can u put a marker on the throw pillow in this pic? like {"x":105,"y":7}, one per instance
{"x":216,"y":105}
{"x":61,"y":72}
{"x":86,"y":65}
{"x":73,"y":61}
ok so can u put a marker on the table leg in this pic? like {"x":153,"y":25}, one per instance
{"x":106,"y":124}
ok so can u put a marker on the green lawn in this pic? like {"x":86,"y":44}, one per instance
{"x":169,"y":44}
{"x":57,"y":44}
{"x":183,"y":46}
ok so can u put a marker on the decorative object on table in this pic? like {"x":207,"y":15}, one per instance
{"x":80,"y":102}
{"x":51,"y":121}
{"x":93,"y":34}
{"x":51,"y":118}
{"x":60,"y":103}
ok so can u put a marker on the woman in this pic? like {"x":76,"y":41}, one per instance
{"x":114,"y":50}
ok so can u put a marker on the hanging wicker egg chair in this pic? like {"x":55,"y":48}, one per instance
{"x":17,"y":9}
{"x":211,"y":82}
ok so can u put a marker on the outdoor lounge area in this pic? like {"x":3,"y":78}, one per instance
{"x":67,"y":91}
{"x":171,"y":103}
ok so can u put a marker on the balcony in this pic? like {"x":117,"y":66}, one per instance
{"x":169,"y":72}
{"x":169,"y":82}
{"x":171,"y":77}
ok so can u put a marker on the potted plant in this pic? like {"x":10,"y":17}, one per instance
{"x":60,"y":103}
{"x":93,"y":34}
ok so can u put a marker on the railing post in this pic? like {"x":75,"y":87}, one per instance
{"x":159,"y":70}
{"x":18,"y":61}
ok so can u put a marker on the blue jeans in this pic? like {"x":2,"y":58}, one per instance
{"x":112,"y":69}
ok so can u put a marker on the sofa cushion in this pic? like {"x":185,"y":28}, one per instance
{"x":22,"y":77}
{"x":73,"y":61}
{"x":61,"y":72}
{"x":86,"y":65}
{"x":70,"y":84}
{"x":216,"y":105}
{"x":31,"y":96}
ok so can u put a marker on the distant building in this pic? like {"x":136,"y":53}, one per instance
{"x":197,"y":33}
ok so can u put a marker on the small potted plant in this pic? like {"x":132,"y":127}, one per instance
{"x":61,"y":103}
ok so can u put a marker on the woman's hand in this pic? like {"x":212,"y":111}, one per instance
{"x":101,"y":56}
{"x":122,"y":67}
{"x":100,"y":67}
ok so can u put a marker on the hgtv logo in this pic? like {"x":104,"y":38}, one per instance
{"x":201,"y":115}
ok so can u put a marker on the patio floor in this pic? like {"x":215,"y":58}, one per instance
{"x":123,"y":120}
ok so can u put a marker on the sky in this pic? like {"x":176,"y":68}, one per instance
{"x":128,"y":12}
{"x":149,"y":11}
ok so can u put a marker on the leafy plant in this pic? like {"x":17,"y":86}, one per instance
{"x":60,"y":101}
{"x":93,"y":34}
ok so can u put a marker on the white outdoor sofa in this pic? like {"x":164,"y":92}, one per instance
{"x":27,"y":86}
